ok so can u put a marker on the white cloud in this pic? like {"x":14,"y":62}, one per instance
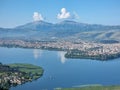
{"x":63,"y":14}
{"x":37,"y":16}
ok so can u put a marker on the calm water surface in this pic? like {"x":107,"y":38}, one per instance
{"x":61,"y":72}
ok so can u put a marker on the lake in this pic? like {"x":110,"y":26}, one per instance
{"x":62,"y":72}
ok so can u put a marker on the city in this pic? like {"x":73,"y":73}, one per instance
{"x":85,"y":49}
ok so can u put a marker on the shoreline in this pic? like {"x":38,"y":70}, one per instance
{"x":82,"y":49}
{"x":78,"y":54}
{"x":112,"y":87}
{"x":18,"y":74}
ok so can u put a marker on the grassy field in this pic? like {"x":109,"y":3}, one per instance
{"x":28,"y":68}
{"x":94,"y":88}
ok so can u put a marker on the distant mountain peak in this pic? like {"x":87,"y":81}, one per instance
{"x":67,"y":22}
{"x":40,"y":23}
{"x":34,"y":25}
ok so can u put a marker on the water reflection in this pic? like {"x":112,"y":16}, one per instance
{"x":61,"y":55}
{"x":37,"y":53}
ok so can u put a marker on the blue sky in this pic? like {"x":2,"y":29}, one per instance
{"x":18,"y":12}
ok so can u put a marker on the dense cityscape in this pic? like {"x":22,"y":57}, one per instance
{"x":82,"y":48}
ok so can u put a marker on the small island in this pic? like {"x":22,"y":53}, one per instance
{"x":16,"y":74}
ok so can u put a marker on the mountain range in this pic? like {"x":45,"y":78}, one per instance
{"x":65,"y":30}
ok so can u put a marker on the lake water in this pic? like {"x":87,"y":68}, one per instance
{"x":62,"y":72}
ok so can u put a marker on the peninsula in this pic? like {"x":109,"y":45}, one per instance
{"x":16,"y":74}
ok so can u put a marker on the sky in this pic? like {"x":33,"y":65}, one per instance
{"x":18,"y":12}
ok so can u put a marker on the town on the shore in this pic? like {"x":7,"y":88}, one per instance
{"x":81,"y":48}
{"x":17,"y":74}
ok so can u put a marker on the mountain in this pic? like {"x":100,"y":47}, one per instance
{"x":39,"y":25}
{"x":65,"y":30}
{"x":65,"y":25}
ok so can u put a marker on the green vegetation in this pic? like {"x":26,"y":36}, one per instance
{"x":84,"y":55}
{"x":15,"y":74}
{"x":28,"y":68}
{"x":93,"y":88}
